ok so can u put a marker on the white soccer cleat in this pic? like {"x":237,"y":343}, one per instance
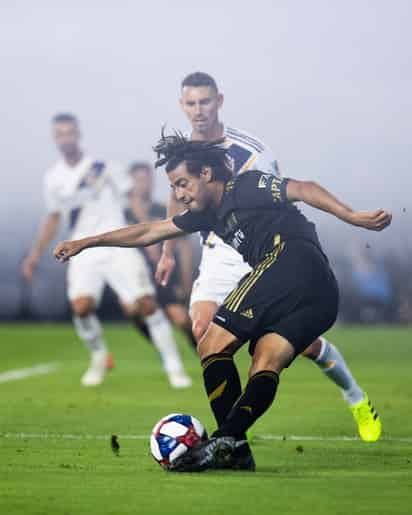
{"x":179,"y":379}
{"x":94,"y":375}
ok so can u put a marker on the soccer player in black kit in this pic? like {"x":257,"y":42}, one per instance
{"x":287,"y":301}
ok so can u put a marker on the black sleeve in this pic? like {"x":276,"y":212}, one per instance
{"x":256,"y":190}
{"x":189,"y":221}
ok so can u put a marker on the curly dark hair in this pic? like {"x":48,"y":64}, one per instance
{"x":173,"y":149}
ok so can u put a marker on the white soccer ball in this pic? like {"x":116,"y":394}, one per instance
{"x":174,"y":435}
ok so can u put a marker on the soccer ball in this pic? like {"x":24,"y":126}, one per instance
{"x":173,"y":435}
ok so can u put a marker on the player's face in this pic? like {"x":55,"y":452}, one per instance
{"x":201,"y":105}
{"x":191,"y":190}
{"x":67,"y":137}
{"x":143,"y":181}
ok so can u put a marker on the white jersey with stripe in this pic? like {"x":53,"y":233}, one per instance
{"x":91,"y":194}
{"x":245,"y":153}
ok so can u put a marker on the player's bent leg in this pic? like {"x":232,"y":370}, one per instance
{"x":334,"y":366}
{"x":227,"y":447}
{"x":271,"y":355}
{"x":220,"y":374}
{"x":89,"y":330}
{"x":163,"y":339}
{"x":222,"y":385}
{"x":179,"y":316}
{"x":202,"y":313}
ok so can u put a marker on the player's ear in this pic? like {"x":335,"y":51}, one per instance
{"x":220,"y":99}
{"x":207,"y":173}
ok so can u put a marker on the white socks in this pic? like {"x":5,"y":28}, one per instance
{"x":331,"y":361}
{"x":162,"y":336}
{"x":90,"y":332}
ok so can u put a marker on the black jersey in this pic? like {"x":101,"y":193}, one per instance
{"x":253,"y":217}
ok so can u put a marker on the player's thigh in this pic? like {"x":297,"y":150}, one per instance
{"x":217,"y":340}
{"x":129,"y":277}
{"x":202,"y":313}
{"x":209,"y":292}
{"x":85,"y":280}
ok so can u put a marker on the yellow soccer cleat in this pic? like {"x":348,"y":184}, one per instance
{"x":369,"y":423}
{"x":250,"y":437}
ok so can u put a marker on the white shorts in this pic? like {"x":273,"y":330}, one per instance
{"x":220,"y":271}
{"x":124,"y":270}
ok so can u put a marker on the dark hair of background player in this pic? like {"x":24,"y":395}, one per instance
{"x":140,"y":165}
{"x":64,"y":118}
{"x":199,"y":79}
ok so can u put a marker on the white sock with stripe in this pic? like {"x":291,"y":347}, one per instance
{"x":89,"y":330}
{"x":162,"y":336}
{"x":333,"y":365}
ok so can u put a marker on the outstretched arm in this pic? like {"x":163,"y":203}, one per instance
{"x":314,"y":195}
{"x":138,"y":235}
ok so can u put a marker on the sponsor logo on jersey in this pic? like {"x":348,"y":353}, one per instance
{"x":238,"y":238}
{"x":263,"y":181}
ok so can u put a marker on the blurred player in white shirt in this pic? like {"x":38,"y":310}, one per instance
{"x":221,"y":267}
{"x":91,"y":195}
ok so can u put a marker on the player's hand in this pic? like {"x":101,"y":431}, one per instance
{"x":371,"y":220}
{"x":164,"y":269}
{"x":67,"y":249}
{"x":28,"y":267}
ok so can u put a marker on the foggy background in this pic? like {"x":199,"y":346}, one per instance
{"x":326,"y":84}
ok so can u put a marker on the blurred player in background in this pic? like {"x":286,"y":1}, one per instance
{"x":142,"y":208}
{"x":221,"y":267}
{"x":91,"y":195}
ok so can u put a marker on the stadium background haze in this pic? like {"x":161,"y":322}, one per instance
{"x":326,"y":85}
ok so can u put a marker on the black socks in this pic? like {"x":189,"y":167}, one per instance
{"x":256,"y":399}
{"x":222,"y":384}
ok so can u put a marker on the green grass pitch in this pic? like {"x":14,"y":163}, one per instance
{"x":55,"y":435}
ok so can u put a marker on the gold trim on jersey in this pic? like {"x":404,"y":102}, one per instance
{"x":248,"y":164}
{"x":234,"y":299}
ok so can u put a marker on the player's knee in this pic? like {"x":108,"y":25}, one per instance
{"x":146,"y":306}
{"x":215,"y":341}
{"x":83,"y":306}
{"x":207,"y":347}
{"x":179,"y":316}
{"x":199,"y":328}
{"x":313,"y":351}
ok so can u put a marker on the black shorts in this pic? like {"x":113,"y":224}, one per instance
{"x":167,"y":295}
{"x":293,"y":293}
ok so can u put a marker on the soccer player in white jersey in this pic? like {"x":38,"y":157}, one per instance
{"x":221,"y":268}
{"x":92,"y":195}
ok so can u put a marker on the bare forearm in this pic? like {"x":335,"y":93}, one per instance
{"x":316,"y":196}
{"x":137,"y":235}
{"x":47,"y":232}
